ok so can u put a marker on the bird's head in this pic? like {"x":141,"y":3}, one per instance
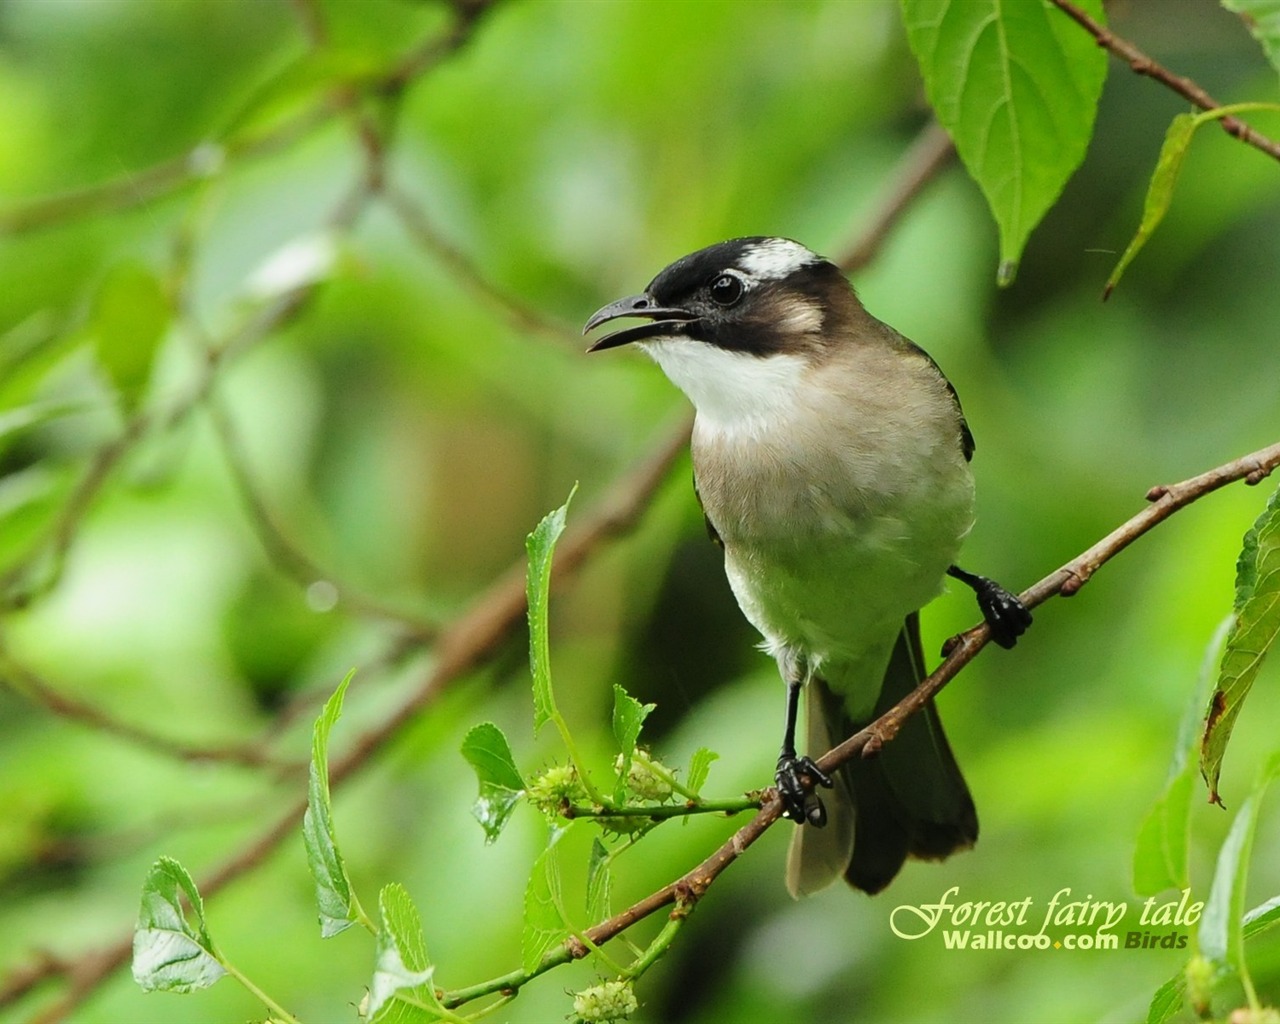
{"x":737,"y":325}
{"x":758,"y":296}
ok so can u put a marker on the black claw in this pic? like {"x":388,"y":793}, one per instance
{"x":1007,"y":616}
{"x":1004,"y":613}
{"x":796,"y":778}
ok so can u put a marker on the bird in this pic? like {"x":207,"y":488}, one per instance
{"x":831,"y":459}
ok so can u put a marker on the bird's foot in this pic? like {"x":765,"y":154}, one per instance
{"x":1006,"y":615}
{"x":797,"y":778}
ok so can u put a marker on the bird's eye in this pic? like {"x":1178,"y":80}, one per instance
{"x":726,"y":289}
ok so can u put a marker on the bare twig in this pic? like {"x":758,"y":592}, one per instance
{"x":462,"y":646}
{"x":284,"y":553}
{"x":210,"y":158}
{"x":27,"y":683}
{"x":928,"y":155}
{"x":1140,"y":63}
{"x":516,"y":311}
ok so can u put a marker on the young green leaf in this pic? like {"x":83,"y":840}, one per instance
{"x":544,"y":926}
{"x":1257,"y":621}
{"x":170,"y":953}
{"x":1177,"y":140}
{"x":1263,"y":19}
{"x":1017,"y":86}
{"x":335,"y":898}
{"x":599,"y":881}
{"x":1222,"y":924}
{"x":501,"y":786}
{"x":401,"y":991}
{"x":130,"y":316}
{"x":628,"y":717}
{"x":541,"y":545}
{"x":700,"y":768}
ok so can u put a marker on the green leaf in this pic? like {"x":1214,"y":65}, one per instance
{"x":1222,"y":924}
{"x":335,"y":898}
{"x":1263,"y":19}
{"x":1160,"y":857}
{"x":541,"y":545}
{"x":401,"y":988}
{"x":1262,"y":918}
{"x":599,"y":882}
{"x":544,"y":925}
{"x":700,"y":768}
{"x":1177,"y":140}
{"x":1257,"y":621}
{"x":130,"y":316}
{"x":501,"y":786}
{"x":170,"y":953}
{"x":628,"y":718}
{"x":1160,"y":854}
{"x":1017,"y":86}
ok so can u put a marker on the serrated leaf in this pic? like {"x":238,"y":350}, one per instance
{"x":1017,"y":86}
{"x":628,"y":718}
{"x":1257,"y":622}
{"x":501,"y":785}
{"x":544,"y":925}
{"x":1263,"y":19}
{"x":700,"y":767}
{"x":1177,"y":140}
{"x":599,"y":882}
{"x":130,"y":316}
{"x":170,"y":953}
{"x":335,"y":897}
{"x":1167,"y":1001}
{"x":402,"y":973}
{"x":1222,"y":923}
{"x":540,"y":546}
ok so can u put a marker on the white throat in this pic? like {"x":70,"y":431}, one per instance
{"x":733,"y":392}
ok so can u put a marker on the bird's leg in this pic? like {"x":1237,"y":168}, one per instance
{"x":1005,"y":614}
{"x":797,"y":776}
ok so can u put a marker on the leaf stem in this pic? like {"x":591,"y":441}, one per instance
{"x":277,"y":1011}
{"x":662,"y":811}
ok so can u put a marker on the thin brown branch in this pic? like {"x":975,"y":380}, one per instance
{"x":137,"y":188}
{"x":930,"y":153}
{"x":1066,"y":581}
{"x":520,"y":314}
{"x":283,"y":551}
{"x":210,"y":158}
{"x":463,"y":646}
{"x":1141,"y":64}
{"x":27,"y":683}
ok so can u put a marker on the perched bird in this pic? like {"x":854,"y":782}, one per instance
{"x":831,"y":458}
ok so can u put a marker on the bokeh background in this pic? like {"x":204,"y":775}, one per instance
{"x":363,"y":236}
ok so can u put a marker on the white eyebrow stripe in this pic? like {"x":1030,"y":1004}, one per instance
{"x":775,"y":258}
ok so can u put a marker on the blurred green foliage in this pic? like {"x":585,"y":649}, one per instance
{"x":343,"y":410}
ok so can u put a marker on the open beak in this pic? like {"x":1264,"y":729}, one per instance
{"x":666,"y":321}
